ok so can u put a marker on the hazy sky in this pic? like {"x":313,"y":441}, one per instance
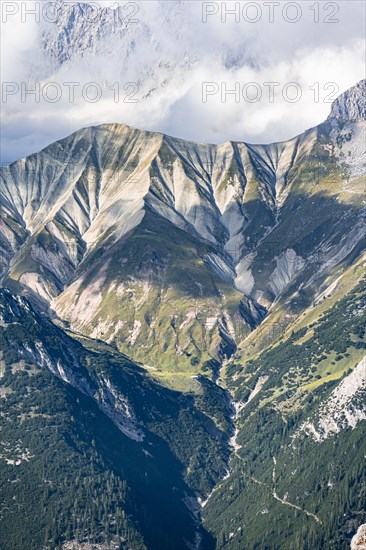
{"x":205,"y":71}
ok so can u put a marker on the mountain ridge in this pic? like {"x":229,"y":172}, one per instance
{"x":230,"y":199}
{"x":343,"y":102}
{"x":207,"y":299}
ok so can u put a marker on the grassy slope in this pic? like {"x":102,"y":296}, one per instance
{"x":169,"y":290}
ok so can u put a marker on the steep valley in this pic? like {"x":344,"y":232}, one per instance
{"x":182,"y":331}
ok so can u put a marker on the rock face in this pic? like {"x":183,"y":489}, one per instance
{"x":110,"y":217}
{"x":345,"y":407}
{"x":351,"y":106}
{"x":80,"y":32}
{"x":359,"y":540}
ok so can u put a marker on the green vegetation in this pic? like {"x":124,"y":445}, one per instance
{"x":157,"y":294}
{"x":326,"y":479}
{"x":73,"y":473}
{"x":158,"y":385}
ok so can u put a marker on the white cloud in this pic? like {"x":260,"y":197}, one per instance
{"x":170,"y":53}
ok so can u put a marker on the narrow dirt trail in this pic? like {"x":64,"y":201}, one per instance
{"x":282,"y":500}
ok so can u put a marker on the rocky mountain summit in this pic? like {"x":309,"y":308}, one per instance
{"x":351,"y":106}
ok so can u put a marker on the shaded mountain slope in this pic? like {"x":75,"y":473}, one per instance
{"x":80,"y":422}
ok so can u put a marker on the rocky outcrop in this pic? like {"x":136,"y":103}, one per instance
{"x":351,"y":106}
{"x":359,"y":540}
{"x":344,"y":407}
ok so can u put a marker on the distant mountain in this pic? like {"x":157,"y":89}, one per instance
{"x":78,"y":33}
{"x":233,"y":275}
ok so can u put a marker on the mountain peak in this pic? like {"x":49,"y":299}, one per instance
{"x":351,"y":105}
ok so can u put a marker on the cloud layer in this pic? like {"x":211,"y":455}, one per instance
{"x":205,"y":71}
